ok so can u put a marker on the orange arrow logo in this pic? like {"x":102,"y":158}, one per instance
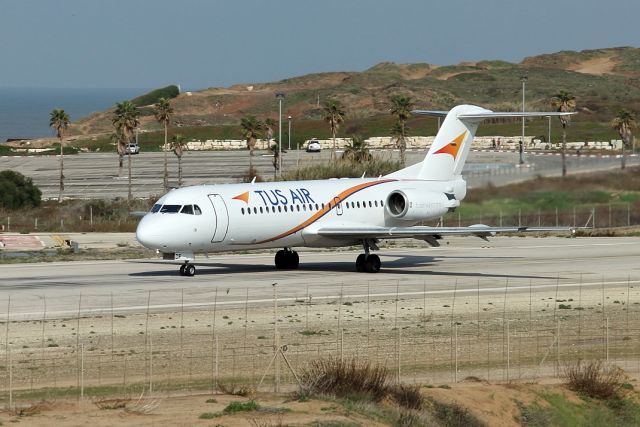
{"x":244,"y":197}
{"x":453,"y":147}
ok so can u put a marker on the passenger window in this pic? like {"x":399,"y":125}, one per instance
{"x":255,"y":210}
{"x":298,"y":208}
{"x":317,"y":207}
{"x":279,"y":208}
{"x":196,"y":210}
{"x":375,"y":202}
{"x":170,"y":209}
{"x":358,"y":204}
{"x":285,"y":208}
{"x":260,"y":209}
{"x":370,"y":205}
{"x":273,"y":209}
{"x":381,"y":203}
{"x":187,"y":209}
{"x":242,"y":211}
{"x":155,"y":208}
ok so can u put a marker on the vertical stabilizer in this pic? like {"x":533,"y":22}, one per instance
{"x":451,"y":146}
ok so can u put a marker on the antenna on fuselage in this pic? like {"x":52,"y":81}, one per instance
{"x":253,"y":180}
{"x":363,"y":174}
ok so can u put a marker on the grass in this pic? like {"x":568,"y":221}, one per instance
{"x":558,"y":411}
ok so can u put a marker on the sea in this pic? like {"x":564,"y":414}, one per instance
{"x":24,"y":113}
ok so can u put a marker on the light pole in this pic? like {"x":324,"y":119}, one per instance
{"x":280,"y":97}
{"x":523,"y":79}
{"x":289,"y":133}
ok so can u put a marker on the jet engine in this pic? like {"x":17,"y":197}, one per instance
{"x":412,"y":205}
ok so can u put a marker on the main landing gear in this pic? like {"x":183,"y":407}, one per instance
{"x":286,"y":259}
{"x":187,"y":269}
{"x":366,"y":262}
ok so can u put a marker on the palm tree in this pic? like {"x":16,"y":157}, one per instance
{"x":357,"y":151}
{"x":59,"y":120}
{"x":163,"y":112}
{"x":401,"y":106}
{"x":179,"y":145}
{"x":125,"y":119}
{"x":624,"y":123}
{"x":334,"y":115}
{"x":564,"y":102}
{"x":251,"y":128}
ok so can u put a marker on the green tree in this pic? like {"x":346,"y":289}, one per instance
{"x":59,"y":120}
{"x":357,"y":151}
{"x":18,"y":191}
{"x":125,"y":120}
{"x":564,"y":102}
{"x":624,"y":123}
{"x":251,"y":131}
{"x":401,"y":106}
{"x":163,"y":113}
{"x":334,"y":114}
{"x":179,"y":145}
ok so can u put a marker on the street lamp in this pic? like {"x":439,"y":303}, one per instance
{"x":289,"y":133}
{"x":280,"y":97}
{"x":523,"y":79}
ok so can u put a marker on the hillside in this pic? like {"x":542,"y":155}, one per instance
{"x":603,"y":80}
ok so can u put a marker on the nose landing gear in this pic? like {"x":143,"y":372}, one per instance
{"x":366,"y":262}
{"x":187,"y":269}
{"x":287,"y":259}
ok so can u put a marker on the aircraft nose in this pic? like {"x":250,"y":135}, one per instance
{"x":147,"y":235}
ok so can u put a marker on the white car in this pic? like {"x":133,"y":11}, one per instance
{"x":313,"y":146}
{"x":132,"y":148}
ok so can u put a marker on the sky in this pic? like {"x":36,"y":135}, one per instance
{"x":213,"y":43}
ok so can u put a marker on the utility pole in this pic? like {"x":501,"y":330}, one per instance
{"x":280,"y":97}
{"x":289,"y":133}
{"x":523,"y":79}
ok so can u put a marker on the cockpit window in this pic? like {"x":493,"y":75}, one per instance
{"x":187,"y":209}
{"x":170,"y":209}
{"x":196,"y":210}
{"x":156,"y":208}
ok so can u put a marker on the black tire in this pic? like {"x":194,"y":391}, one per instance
{"x":360,"y":261}
{"x":281,"y":260}
{"x":182,"y":273}
{"x":190,"y":270}
{"x":373,"y":264}
{"x":293,"y":260}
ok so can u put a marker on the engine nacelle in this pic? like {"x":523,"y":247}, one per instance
{"x":412,"y":205}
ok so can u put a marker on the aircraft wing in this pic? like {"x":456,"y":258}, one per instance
{"x":422,"y":232}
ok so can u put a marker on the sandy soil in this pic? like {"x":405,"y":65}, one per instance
{"x":596,"y":66}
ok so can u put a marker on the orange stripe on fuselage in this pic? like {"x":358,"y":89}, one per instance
{"x":326,"y":208}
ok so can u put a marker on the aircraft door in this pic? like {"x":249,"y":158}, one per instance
{"x":221,"y":219}
{"x":336,"y":202}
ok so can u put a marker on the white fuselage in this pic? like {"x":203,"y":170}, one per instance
{"x":279,"y":214}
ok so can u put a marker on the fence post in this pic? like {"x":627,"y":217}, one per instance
{"x":455,"y":372}
{"x":10,"y":379}
{"x":276,"y":344}
{"x":606,"y":326}
{"x":81,"y":372}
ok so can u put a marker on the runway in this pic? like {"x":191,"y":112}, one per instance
{"x":464,"y":265}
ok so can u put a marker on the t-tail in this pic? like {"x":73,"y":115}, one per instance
{"x":448,"y":153}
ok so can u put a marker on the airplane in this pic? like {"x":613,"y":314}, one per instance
{"x":327,"y":213}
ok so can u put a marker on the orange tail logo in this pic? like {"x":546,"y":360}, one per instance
{"x":243,"y":197}
{"x":453,"y":147}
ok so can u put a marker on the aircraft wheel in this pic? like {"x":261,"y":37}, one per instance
{"x":293,"y":260}
{"x":360,"y":261}
{"x":190,"y":270}
{"x":182,"y":273}
{"x":373,"y":264}
{"x":281,"y":260}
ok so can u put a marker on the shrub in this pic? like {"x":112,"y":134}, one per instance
{"x":594,"y":379}
{"x":234,"y":407}
{"x":17,"y":191}
{"x":346,"y":378}
{"x":407,"y":396}
{"x":454,"y":415}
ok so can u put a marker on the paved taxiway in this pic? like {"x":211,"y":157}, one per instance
{"x":464,"y":264}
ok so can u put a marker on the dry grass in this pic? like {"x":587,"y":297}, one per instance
{"x":104,"y":403}
{"x":29,"y":409}
{"x":235,"y":389}
{"x":594,"y":379}
{"x":346,"y":378}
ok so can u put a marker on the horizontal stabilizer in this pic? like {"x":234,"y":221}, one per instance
{"x":488,"y":114}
